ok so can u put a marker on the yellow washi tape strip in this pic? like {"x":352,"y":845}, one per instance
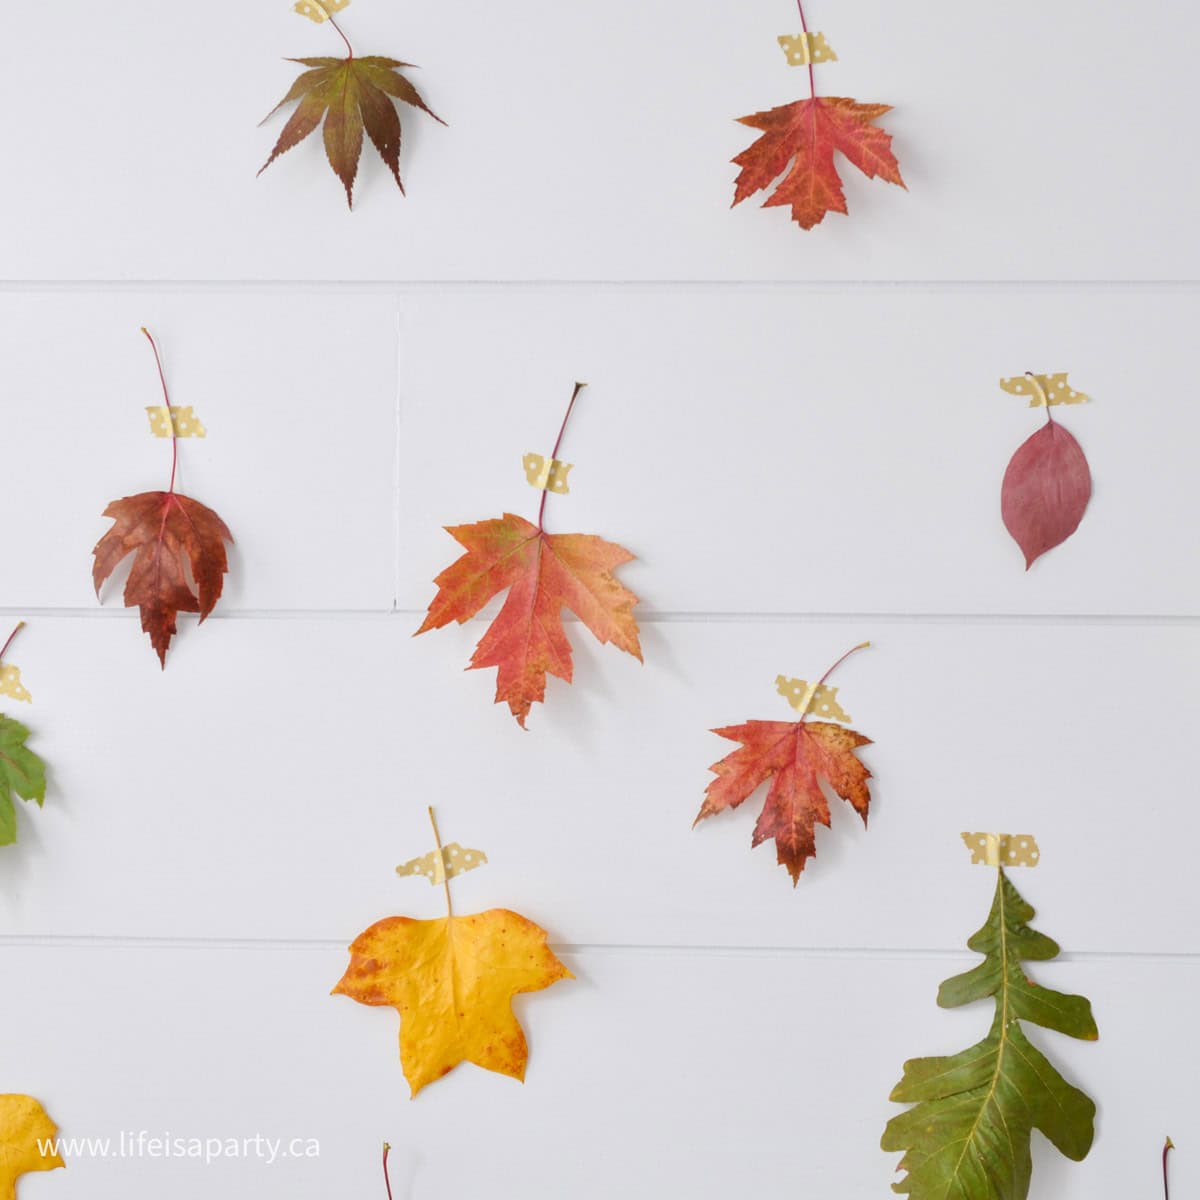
{"x":185,"y":421}
{"x":1002,"y":849}
{"x":547,"y":474}
{"x":10,"y":683}
{"x":1044,"y":390}
{"x":805,"y":48}
{"x":814,"y":697}
{"x":437,"y":868}
{"x":319,"y":10}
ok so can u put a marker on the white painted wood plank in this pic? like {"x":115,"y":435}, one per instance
{"x":268,"y":782}
{"x":821,"y":451}
{"x":298,"y":397}
{"x":1033,"y":143}
{"x":686,"y":1073}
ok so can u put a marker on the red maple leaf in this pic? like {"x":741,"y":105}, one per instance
{"x":805,"y":135}
{"x":175,"y":541}
{"x":168,"y":534}
{"x":543,"y":573}
{"x":795,"y":756}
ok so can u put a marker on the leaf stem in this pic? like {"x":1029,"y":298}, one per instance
{"x":333,"y":22}
{"x":1041,"y":391}
{"x":20,"y":626}
{"x":554,"y":453}
{"x":852,"y":650}
{"x":437,"y":837}
{"x":170,"y":415}
{"x":386,"y":1178}
{"x":812,"y":79}
{"x":1168,"y":1146}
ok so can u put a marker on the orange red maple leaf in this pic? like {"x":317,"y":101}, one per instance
{"x":543,"y":574}
{"x":799,"y":142}
{"x":795,"y":756}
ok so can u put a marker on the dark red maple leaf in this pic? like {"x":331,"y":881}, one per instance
{"x":805,"y":135}
{"x":175,"y":541}
{"x":168,"y":534}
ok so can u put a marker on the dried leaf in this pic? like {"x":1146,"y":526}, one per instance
{"x":1045,"y":492}
{"x":968,"y":1136}
{"x":801,"y":139}
{"x":168,"y":534}
{"x":542,"y":573}
{"x":351,"y":95}
{"x":22,"y":774}
{"x":795,"y":756}
{"x":23,"y":1123}
{"x":452,"y":981}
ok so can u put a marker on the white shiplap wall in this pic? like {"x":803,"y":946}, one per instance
{"x":801,"y":438}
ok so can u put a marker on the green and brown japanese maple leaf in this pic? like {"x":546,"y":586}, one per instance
{"x":795,"y":756}
{"x":798,"y":142}
{"x":967,"y":1136}
{"x":542,"y":573}
{"x":351,"y":95}
{"x":178,"y":546}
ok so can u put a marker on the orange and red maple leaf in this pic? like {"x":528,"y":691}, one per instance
{"x":799,"y":141}
{"x":168,"y":535}
{"x":543,"y":574}
{"x":795,"y":756}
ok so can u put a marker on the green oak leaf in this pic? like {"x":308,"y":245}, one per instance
{"x":967,"y":1138}
{"x":21,"y":771}
{"x":351,"y":95}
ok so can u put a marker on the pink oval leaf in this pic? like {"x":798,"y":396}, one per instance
{"x":1046,"y":490}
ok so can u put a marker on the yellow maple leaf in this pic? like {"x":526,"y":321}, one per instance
{"x":23,"y":1122}
{"x":452,"y":980}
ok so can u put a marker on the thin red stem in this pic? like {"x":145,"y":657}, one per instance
{"x":554,"y":453}
{"x":20,"y":626}
{"x":387,"y":1181}
{"x":852,"y":650}
{"x":170,"y":415}
{"x":1167,"y":1148}
{"x":333,"y":22}
{"x":812,"y":79}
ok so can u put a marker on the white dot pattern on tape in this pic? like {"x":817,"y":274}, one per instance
{"x":454,"y":860}
{"x":546,"y":474}
{"x":10,"y":683}
{"x":1044,"y":389}
{"x":819,"y":699}
{"x":1002,"y":849}
{"x":805,"y":48}
{"x":186,"y":423}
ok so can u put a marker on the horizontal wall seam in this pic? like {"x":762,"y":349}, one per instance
{"x":402,"y":287}
{"x":116,"y":942}
{"x":649,"y":617}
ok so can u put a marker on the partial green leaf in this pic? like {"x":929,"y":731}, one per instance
{"x":21,"y":772}
{"x":968,"y":1136}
